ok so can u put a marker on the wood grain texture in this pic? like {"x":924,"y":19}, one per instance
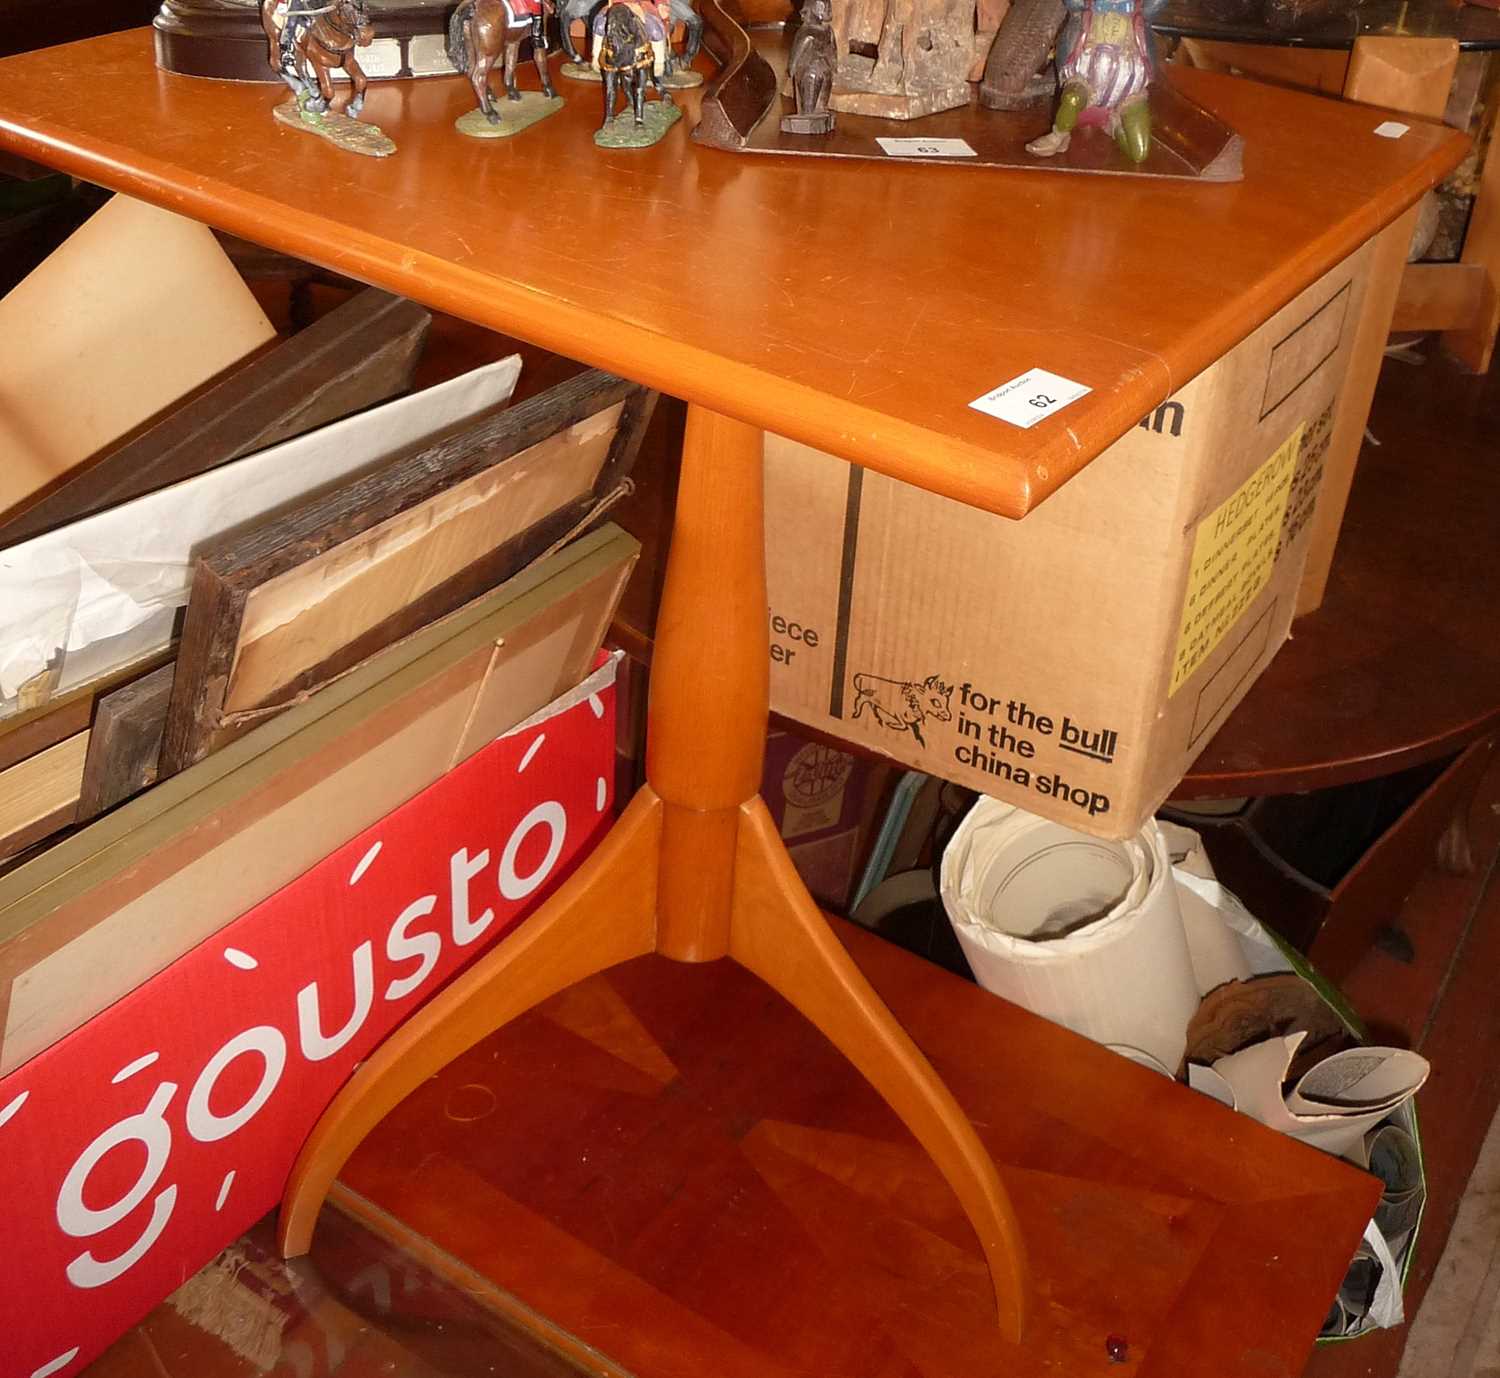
{"x":838,"y":363}
{"x":39,"y":795}
{"x":779,"y":934}
{"x":703,"y":1185}
{"x":716,"y":579}
{"x":706,"y":862}
{"x":125,"y":743}
{"x":361,"y":353}
{"x":287,"y":604}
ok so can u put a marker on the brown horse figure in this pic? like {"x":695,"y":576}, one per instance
{"x":481,"y":29}
{"x":309,"y":41}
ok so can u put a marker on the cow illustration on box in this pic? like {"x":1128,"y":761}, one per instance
{"x":903,"y":705}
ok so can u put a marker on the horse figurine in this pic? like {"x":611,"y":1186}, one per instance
{"x":308,"y":40}
{"x":630,"y":51}
{"x":680,"y":12}
{"x":480,"y":29}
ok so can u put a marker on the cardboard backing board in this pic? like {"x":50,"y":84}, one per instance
{"x":137,"y":308}
{"x":1075,"y":662}
{"x":288,"y":603}
{"x":222,"y":1064}
{"x":359,"y":354}
{"x":103,"y":910}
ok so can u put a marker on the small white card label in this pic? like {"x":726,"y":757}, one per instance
{"x":926,"y":148}
{"x":1032,"y":397}
{"x":1392,"y":129}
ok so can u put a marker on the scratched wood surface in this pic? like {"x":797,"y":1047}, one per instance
{"x":681,"y":1173}
{"x":735,"y":283}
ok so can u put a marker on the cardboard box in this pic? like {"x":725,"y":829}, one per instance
{"x":145,"y":1141}
{"x":1075,"y":662}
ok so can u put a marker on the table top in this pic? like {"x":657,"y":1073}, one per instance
{"x":857,"y":307}
{"x":1476,"y":27}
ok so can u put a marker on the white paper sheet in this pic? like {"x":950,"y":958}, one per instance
{"x":1334,"y":1103}
{"x":105,"y":590}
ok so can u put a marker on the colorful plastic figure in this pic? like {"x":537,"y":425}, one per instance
{"x":1106,"y":60}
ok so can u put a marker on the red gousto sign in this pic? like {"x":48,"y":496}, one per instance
{"x":140,"y":1145}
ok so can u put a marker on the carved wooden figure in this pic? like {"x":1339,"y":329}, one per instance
{"x":901,"y":59}
{"x":1013,"y":72}
{"x":810,"y":71}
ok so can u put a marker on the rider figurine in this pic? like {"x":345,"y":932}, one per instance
{"x":285,"y":21}
{"x":656,"y":21}
{"x":294,"y":17}
{"x":519,"y":11}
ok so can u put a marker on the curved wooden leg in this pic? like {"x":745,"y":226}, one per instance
{"x":778,"y":933}
{"x":604,"y":914}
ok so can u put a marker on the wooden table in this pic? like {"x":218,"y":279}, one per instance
{"x":858,"y":309}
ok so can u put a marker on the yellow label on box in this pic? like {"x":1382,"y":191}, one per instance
{"x":1234,"y":553}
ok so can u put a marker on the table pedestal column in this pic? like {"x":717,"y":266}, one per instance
{"x":695,"y":870}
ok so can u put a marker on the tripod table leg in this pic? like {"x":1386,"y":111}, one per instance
{"x":603,"y":915}
{"x":778,"y":933}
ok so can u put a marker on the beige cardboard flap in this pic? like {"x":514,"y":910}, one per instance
{"x":137,"y":308}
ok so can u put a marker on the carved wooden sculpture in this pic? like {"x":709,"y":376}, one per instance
{"x":1013,"y":77}
{"x":810,"y":71}
{"x":901,"y":59}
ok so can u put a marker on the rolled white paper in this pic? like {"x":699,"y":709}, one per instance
{"x":1084,"y":932}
